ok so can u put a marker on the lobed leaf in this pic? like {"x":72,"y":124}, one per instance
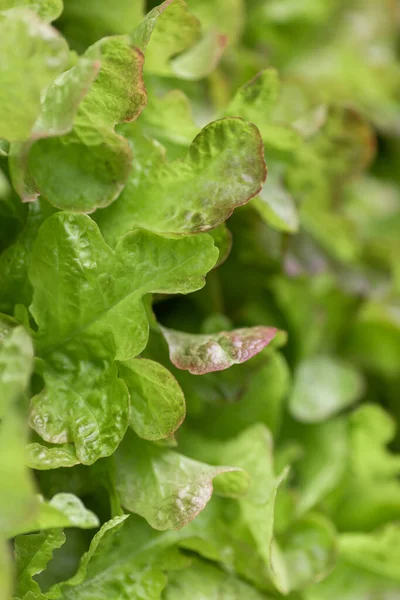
{"x":99,"y":316}
{"x":224,"y":168}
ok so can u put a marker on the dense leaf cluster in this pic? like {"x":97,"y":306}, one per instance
{"x":192,"y":407}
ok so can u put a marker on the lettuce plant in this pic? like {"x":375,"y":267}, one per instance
{"x":199,"y":361}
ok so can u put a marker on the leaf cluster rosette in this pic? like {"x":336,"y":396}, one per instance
{"x":199,"y":357}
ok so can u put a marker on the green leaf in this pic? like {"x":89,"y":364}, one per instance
{"x":309,"y":550}
{"x":370,"y":496}
{"x":223,"y":240}
{"x":261,"y":398}
{"x":169,"y":119}
{"x":6,"y":573}
{"x":374,"y":339}
{"x":15,"y":287}
{"x":18,"y":502}
{"x":166,"y":31}
{"x":228,"y":17}
{"x":251,"y":450}
{"x":88,"y":167}
{"x":322,"y":387}
{"x":63,"y":510}
{"x":323,"y":465}
{"x":217,"y":535}
{"x":42,"y":456}
{"x":33,"y":55}
{"x":372,"y":429}
{"x":4,"y":186}
{"x":90,"y":410}
{"x":224,"y":168}
{"x":201,"y":59}
{"x":48,"y":10}
{"x":179,"y":487}
{"x":157,"y":401}
{"x":32,"y":554}
{"x":368,"y":567}
{"x":128,"y":557}
{"x":101,"y":299}
{"x":378,"y":551}
{"x":200,"y":353}
{"x":203,"y":580}
{"x":59,"y":107}
{"x":276,"y":205}
{"x":255,"y":101}
{"x":16,"y":361}
{"x":99,"y":317}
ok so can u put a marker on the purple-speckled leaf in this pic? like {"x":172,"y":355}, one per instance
{"x":200,"y":354}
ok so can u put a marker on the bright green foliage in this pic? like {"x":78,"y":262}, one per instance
{"x":129,"y":558}
{"x":16,"y":355}
{"x":48,"y":10}
{"x":157,"y":401}
{"x":224,"y":168}
{"x":199,"y":298}
{"x":309,"y":549}
{"x":87,"y":304}
{"x":202,"y":580}
{"x":178,"y":486}
{"x":18,"y":501}
{"x":33,"y":54}
{"x":90,"y":165}
{"x":6,"y":572}
{"x":32,"y":553}
{"x":58,"y":110}
{"x":257,"y":507}
{"x":47,"y":456}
